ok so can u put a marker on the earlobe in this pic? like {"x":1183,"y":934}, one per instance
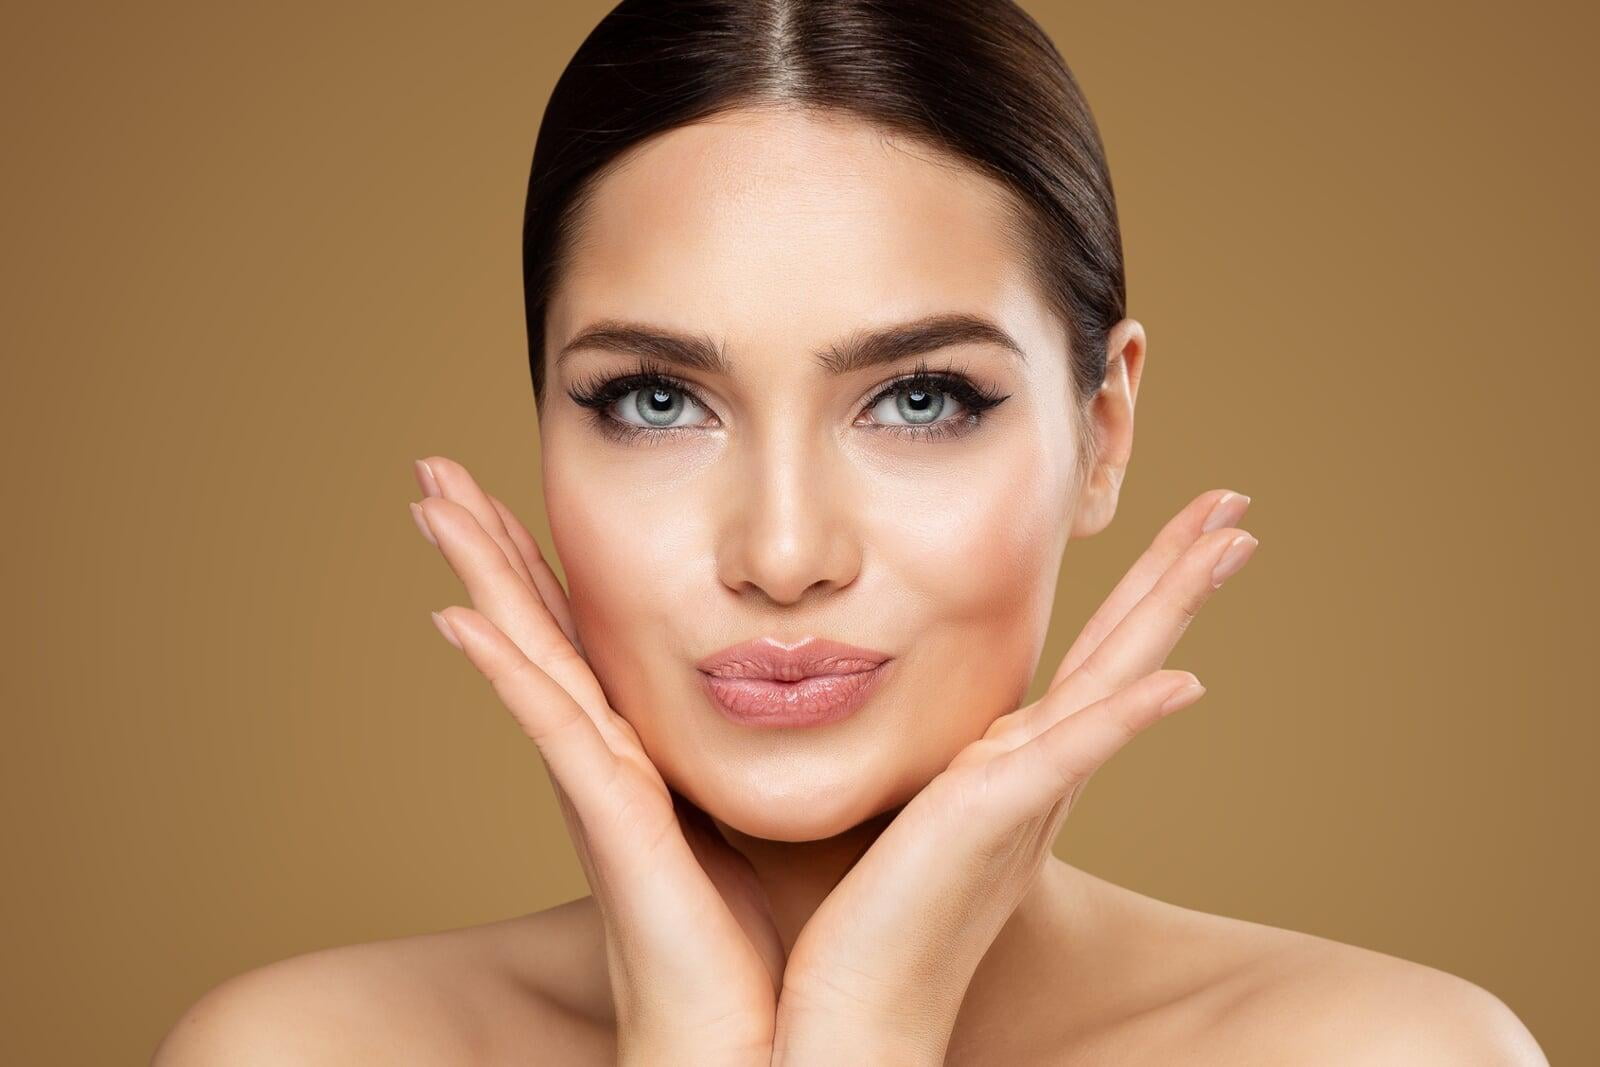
{"x":1097,"y":503}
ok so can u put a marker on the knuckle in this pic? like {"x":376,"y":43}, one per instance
{"x":521,"y":675}
{"x":1182,"y":603}
{"x":1091,"y":671}
{"x":1065,"y":779}
{"x":1126,"y":724}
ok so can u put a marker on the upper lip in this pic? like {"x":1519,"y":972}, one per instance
{"x":767,"y":657}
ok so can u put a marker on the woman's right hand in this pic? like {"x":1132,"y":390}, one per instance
{"x":695,"y":961}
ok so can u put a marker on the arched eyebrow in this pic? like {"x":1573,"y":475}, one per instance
{"x":864,"y":348}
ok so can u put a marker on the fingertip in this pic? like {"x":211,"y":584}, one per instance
{"x":436,"y":508}
{"x":450,"y":476}
{"x":481,"y":640}
{"x":1227,"y":510}
{"x":421,"y":519}
{"x":1183,"y":694}
{"x":425,"y":477}
{"x":1241,"y":545}
{"x":446,"y":630}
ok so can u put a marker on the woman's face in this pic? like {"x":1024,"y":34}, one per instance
{"x":778,"y":495}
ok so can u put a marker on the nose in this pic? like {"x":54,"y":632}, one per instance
{"x":788,"y":530}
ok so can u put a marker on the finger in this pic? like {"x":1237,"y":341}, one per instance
{"x":1142,"y":640}
{"x":453,"y":482}
{"x":442,"y":476}
{"x":735,"y":878}
{"x":511,"y":604}
{"x":1210,"y":510}
{"x":1055,"y":764}
{"x":544,"y":579}
{"x":576,"y":753}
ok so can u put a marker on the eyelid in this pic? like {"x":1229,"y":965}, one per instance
{"x":950,"y":380}
{"x":600,"y":393}
{"x":895,"y":385}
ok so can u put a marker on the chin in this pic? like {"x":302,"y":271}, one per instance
{"x":796,"y":801}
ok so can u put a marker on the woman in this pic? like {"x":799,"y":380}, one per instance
{"x":831,"y":360}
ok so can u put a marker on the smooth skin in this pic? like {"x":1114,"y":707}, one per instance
{"x":696,"y":971}
{"x":884,"y":963}
{"x":879,"y":890}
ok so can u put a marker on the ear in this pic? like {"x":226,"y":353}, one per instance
{"x":1111,"y":423}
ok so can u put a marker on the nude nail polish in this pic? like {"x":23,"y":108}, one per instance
{"x":1227,"y":511}
{"x":1239,"y":550}
{"x":445,"y":629}
{"x":425,"y":478}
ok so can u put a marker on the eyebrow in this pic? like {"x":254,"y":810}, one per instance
{"x":864,"y":348}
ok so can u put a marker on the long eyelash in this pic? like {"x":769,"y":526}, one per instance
{"x":598,"y":392}
{"x":976,"y":399}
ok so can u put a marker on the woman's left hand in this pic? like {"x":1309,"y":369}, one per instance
{"x":879,"y":971}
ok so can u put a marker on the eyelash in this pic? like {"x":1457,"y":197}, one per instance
{"x":600,"y":392}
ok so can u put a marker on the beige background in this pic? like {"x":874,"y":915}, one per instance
{"x":255,"y":261}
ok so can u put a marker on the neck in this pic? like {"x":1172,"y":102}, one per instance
{"x":798,"y":875}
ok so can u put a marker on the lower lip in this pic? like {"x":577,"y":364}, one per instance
{"x":813,"y":701}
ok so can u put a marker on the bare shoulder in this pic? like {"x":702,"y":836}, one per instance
{"x":1199,"y":988}
{"x":1328,"y":1002}
{"x":478,"y":994}
{"x":1312,"y":1000}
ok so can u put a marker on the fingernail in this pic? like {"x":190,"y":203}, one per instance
{"x":445,"y":629}
{"x":425,"y":478}
{"x":422,"y":524}
{"x":1227,"y":511}
{"x":1184,"y":694}
{"x":1239,"y":550}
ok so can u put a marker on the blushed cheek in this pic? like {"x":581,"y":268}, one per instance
{"x":628,"y":552}
{"x":995,"y":534}
{"x":979,"y":552}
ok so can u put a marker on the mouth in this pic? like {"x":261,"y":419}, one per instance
{"x":768,"y":683}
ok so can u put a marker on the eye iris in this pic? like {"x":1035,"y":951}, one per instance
{"x":923,"y":408}
{"x":658,"y":405}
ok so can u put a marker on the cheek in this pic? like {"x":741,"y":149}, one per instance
{"x":979,"y":545}
{"x":967,"y":560}
{"x":625,"y":548}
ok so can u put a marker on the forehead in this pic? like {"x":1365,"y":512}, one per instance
{"x":771,"y":228}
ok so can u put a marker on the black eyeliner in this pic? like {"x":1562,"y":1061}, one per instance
{"x":597,"y":393}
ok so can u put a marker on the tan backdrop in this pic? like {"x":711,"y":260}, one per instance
{"x":255,"y":261}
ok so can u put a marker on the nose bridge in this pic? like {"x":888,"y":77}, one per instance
{"x":788,"y":527}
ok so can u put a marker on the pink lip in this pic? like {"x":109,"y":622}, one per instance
{"x":767,"y":683}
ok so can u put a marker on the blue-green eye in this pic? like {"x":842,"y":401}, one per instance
{"x":650,"y":405}
{"x":921,"y":403}
{"x":645,"y":404}
{"x":656,"y":406}
{"x":916,"y":405}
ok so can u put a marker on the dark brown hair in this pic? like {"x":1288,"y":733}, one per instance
{"x":977,"y":80}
